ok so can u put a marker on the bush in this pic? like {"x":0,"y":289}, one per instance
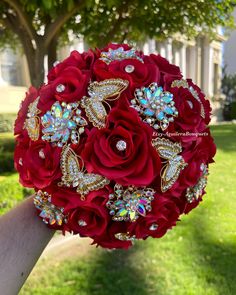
{"x":7,"y":145}
{"x":7,"y":122}
{"x":6,"y":162}
{"x":229,"y":89}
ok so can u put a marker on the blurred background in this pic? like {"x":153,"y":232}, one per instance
{"x":199,"y":255}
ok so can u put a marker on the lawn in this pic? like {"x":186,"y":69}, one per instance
{"x":195,"y":258}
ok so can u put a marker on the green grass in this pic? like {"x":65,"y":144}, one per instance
{"x":198,"y":257}
{"x":11,"y":192}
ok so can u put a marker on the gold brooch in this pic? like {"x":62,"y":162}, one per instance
{"x":195,"y":192}
{"x":74,"y":176}
{"x":174,"y":164}
{"x":50,"y":213}
{"x":101,"y":92}
{"x":32,"y":122}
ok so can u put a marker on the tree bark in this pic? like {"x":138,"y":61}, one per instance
{"x":52,"y":52}
{"x":36,"y":66}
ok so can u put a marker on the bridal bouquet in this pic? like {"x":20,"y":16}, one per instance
{"x":116,"y":145}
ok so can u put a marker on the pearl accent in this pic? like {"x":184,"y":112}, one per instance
{"x":190,"y":104}
{"x":153,"y":227}
{"x":81,"y":222}
{"x":129,"y":69}
{"x":121,"y":145}
{"x":41,"y":154}
{"x":60,"y":88}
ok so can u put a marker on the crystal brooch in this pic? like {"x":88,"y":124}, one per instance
{"x":119,"y":54}
{"x":63,"y":123}
{"x":50,"y":213}
{"x":130,"y":203}
{"x":155,"y":106}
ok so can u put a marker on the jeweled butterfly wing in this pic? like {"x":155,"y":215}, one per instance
{"x":73,"y":175}
{"x":99,"y":92}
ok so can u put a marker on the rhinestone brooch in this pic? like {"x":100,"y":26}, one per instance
{"x":130,"y":203}
{"x":99,"y":93}
{"x":174,"y":163}
{"x":155,"y":106}
{"x":119,"y":54}
{"x":193,"y":193}
{"x":50,"y":213}
{"x":75,"y":176}
{"x":32,"y":123}
{"x":64,"y":122}
{"x":125,"y":237}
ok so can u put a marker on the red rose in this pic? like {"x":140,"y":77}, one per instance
{"x":166,"y":69}
{"x":31,"y":95}
{"x":138,"y":164}
{"x":37,"y":162}
{"x":108,"y":238}
{"x":164,"y":66}
{"x":199,"y":152}
{"x":142,"y":75}
{"x":189,"y":122}
{"x":91,"y":217}
{"x":83,"y":61}
{"x":73,"y":85}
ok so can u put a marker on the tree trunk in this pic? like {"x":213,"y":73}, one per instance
{"x":36,"y":62}
{"x":52,"y":52}
{"x":36,"y":66}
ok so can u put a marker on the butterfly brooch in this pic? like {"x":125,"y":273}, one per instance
{"x":99,"y":93}
{"x":73,"y":175}
{"x":174,"y":163}
{"x":32,"y":123}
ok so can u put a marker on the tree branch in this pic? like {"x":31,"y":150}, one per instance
{"x":12,"y":22}
{"x":53,"y":28}
{"x":23,"y":17}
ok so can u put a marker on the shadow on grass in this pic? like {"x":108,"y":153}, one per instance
{"x":115,"y":272}
{"x":217,"y":258}
{"x":224,"y":137}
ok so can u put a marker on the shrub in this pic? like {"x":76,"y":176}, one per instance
{"x":7,"y":144}
{"x":7,"y":122}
